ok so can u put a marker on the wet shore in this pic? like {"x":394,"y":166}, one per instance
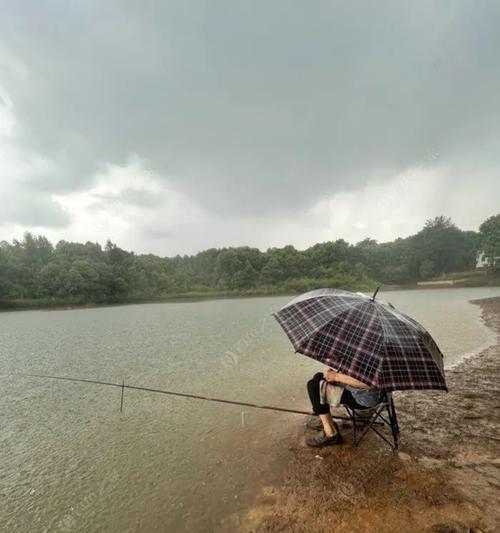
{"x":445,"y":477}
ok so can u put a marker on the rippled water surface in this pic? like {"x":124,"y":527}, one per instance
{"x":69,"y":461}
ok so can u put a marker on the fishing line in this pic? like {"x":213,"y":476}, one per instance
{"x":161,"y":391}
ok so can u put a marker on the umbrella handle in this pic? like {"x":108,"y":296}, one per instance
{"x":375,"y":293}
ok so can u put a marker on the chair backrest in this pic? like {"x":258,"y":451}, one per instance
{"x":385,"y":399}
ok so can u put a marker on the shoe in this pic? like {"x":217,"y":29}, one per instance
{"x":320,"y":439}
{"x":314,"y":422}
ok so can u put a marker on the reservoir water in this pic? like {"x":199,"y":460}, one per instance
{"x":69,"y":461}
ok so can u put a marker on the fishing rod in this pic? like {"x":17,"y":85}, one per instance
{"x":123,"y":386}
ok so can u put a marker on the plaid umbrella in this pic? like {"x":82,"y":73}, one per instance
{"x":366,"y":339}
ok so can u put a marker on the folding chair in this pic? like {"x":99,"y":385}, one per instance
{"x":377,"y":418}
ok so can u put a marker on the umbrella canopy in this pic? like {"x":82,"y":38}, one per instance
{"x":364,"y":338}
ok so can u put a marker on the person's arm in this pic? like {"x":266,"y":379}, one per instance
{"x":336,"y":377}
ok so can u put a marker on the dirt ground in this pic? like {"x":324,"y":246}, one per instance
{"x":445,"y":477}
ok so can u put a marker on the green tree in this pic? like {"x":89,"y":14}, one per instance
{"x":489,"y":240}
{"x":4,"y":284}
{"x":426,"y":269}
{"x":246,"y":278}
{"x":273,"y":271}
{"x":32,"y":268}
{"x":441,"y":242}
{"x":394,"y":274}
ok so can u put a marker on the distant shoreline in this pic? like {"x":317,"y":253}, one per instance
{"x":181,"y":298}
{"x":44,"y":305}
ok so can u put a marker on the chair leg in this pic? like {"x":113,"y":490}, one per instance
{"x":370,"y":422}
{"x":352,"y":416}
{"x":394,"y":423}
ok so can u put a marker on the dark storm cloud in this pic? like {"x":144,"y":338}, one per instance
{"x":252,"y":107}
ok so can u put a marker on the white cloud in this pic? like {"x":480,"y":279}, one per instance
{"x":142,"y":212}
{"x":129,"y":205}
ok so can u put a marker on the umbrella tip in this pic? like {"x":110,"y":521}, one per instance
{"x":375,"y":293}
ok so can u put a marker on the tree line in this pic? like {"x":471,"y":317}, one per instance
{"x":33,"y":269}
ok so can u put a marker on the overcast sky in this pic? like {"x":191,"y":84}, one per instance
{"x":172,"y":127}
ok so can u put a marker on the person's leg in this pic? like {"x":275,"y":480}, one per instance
{"x":313,"y":386}
{"x":320,"y":409}
{"x":328,"y":426}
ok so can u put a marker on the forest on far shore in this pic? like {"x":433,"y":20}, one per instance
{"x":33,"y":270}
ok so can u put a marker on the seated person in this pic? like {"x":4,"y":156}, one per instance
{"x":330,"y":389}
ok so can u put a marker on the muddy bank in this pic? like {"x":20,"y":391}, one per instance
{"x":445,"y":477}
